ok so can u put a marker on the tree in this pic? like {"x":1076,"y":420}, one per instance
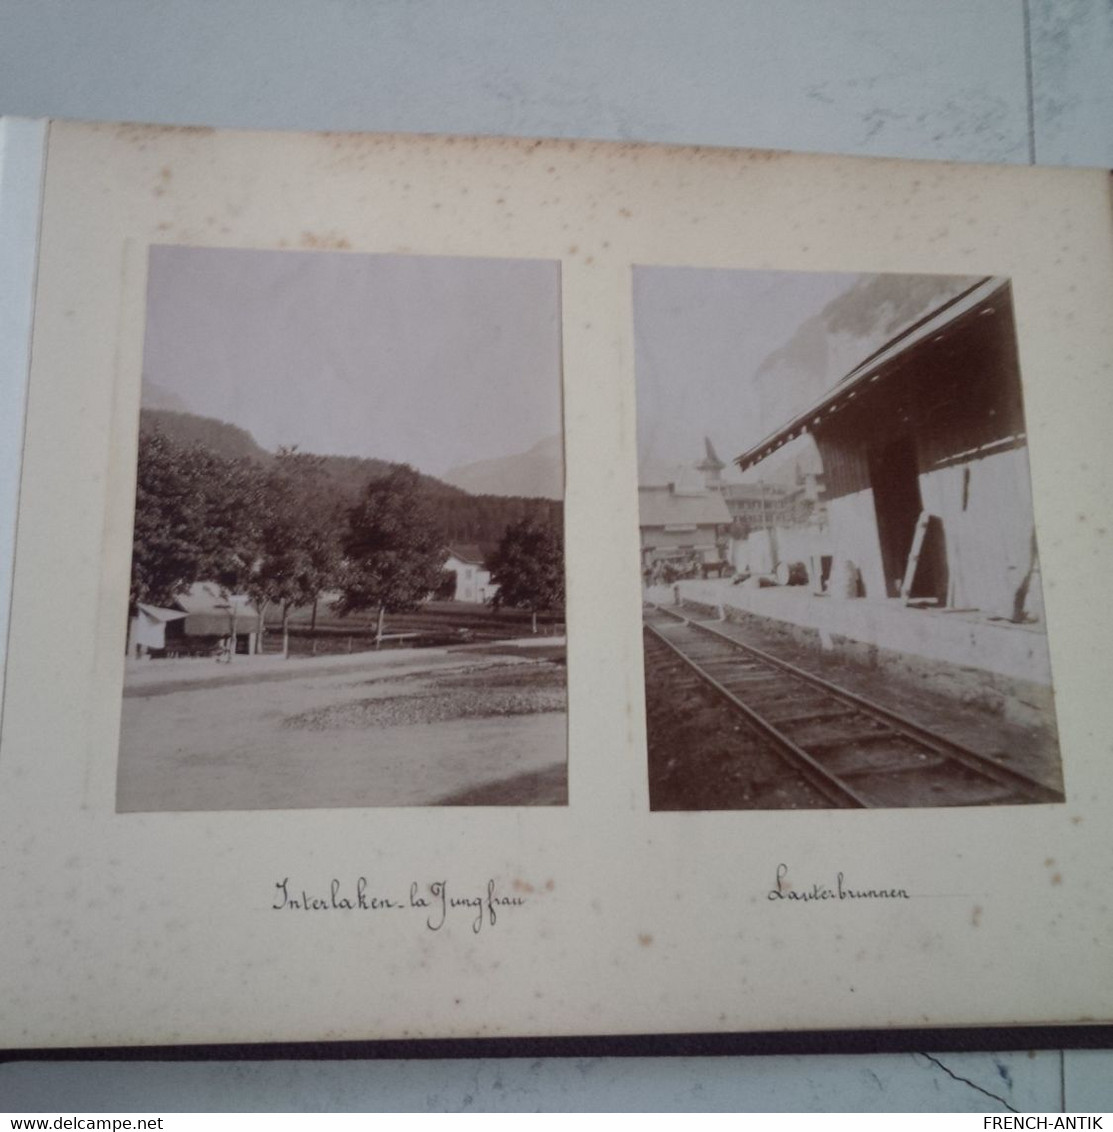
{"x":528,"y":568}
{"x":300,"y":538}
{"x":196,"y":519}
{"x":167,"y":547}
{"x":393,"y":552}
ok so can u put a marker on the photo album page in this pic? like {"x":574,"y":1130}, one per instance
{"x":472,"y":588}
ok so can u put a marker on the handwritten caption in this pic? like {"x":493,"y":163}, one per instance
{"x":433,"y":902}
{"x":784,"y":889}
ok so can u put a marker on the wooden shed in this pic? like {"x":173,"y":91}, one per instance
{"x":924,"y":443}
{"x":209,"y":614}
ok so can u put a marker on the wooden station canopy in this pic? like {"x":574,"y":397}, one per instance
{"x":939,"y":323}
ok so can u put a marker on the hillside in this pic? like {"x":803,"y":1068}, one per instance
{"x":538,"y":472}
{"x":461,"y":516}
{"x":155,"y":396}
{"x":229,"y":441}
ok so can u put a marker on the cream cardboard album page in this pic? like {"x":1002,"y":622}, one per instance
{"x":516,"y":588}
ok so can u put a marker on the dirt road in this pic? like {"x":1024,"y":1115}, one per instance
{"x":449,"y":729}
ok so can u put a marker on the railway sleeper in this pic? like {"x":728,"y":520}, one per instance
{"x":724,"y":663}
{"x":723,"y":675}
{"x":766,"y":703}
{"x":722,"y":670}
{"x":804,"y":718}
{"x":863,"y":765}
{"x":735,"y":664}
{"x":743,"y":682}
{"x":722,"y":656}
{"x":847,"y":739}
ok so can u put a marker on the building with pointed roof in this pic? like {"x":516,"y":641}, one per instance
{"x":711,"y":467}
{"x":685,"y":528}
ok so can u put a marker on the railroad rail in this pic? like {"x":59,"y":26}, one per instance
{"x":855,"y":752}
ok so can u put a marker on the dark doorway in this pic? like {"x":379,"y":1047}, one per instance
{"x":894,"y":476}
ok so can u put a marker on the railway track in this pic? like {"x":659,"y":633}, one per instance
{"x":856,"y":753}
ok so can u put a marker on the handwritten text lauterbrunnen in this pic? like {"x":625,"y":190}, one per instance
{"x":840,"y":890}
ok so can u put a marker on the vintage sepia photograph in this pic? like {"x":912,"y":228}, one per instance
{"x":841,"y":583}
{"x":347,"y":583}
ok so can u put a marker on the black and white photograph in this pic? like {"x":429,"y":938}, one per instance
{"x":347,"y":582}
{"x":841,"y":585}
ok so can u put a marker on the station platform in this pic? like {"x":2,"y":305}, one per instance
{"x":979,"y":661}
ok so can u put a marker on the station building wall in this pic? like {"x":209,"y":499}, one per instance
{"x":761,"y":550}
{"x":986,"y":510}
{"x":852,"y":520}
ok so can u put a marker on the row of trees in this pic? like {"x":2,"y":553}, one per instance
{"x":283,"y":534}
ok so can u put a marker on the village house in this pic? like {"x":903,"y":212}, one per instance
{"x":198,"y":623}
{"x":756,"y":506}
{"x":473,"y":579}
{"x":683,"y":527}
{"x":147,"y":629}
